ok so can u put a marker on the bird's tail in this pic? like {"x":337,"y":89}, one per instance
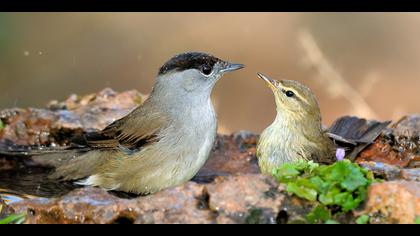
{"x":35,"y":172}
{"x":42,"y":156}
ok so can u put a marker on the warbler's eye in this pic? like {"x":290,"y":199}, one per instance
{"x":290,"y":93}
{"x":206,"y":69}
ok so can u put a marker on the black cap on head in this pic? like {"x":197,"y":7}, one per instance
{"x":189,"y":60}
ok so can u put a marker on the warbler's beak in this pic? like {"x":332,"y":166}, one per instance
{"x":271,"y":83}
{"x":232,"y":67}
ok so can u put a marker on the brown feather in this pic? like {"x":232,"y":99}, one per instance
{"x":139,"y":128}
{"x":131,"y":133}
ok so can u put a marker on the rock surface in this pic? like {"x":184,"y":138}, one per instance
{"x":396,"y":153}
{"x":233,"y":199}
{"x":228,"y":189}
{"x":245,"y":199}
{"x":4,"y":209}
{"x":53,"y":126}
{"x":394,"y":202}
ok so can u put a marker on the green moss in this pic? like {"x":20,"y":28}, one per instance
{"x":342,"y":185}
{"x":363,"y":219}
{"x":1,"y":125}
{"x":331,"y":222}
{"x":319,"y":214}
{"x":13,"y":219}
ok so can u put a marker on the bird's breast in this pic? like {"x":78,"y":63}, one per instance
{"x":190,"y":140}
{"x":278,"y":144}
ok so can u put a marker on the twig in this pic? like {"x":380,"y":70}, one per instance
{"x":334,"y":82}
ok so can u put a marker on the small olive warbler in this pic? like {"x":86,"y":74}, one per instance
{"x":296,"y":133}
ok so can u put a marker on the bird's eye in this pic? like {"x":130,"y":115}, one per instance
{"x":206,"y":69}
{"x":290,"y":93}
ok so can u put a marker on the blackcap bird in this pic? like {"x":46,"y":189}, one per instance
{"x":161,"y":143}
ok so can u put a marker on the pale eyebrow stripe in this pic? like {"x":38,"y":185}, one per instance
{"x":296,"y":93}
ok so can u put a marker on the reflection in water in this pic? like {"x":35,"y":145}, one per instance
{"x":10,"y":196}
{"x":29,"y":182}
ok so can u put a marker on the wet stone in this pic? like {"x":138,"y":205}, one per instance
{"x":382,"y":170}
{"x":61,"y":120}
{"x":253,"y":199}
{"x":384,"y":152}
{"x":230,"y":157}
{"x":245,"y":199}
{"x":228,"y":189}
{"x":408,"y":126}
{"x":411,"y":174}
{"x":393,"y":202}
{"x":93,"y":205}
{"x":398,"y":145}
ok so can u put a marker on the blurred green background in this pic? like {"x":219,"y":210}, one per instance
{"x":45,"y":56}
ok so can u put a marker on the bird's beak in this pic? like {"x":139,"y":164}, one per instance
{"x":271,"y":83}
{"x":232,"y":67}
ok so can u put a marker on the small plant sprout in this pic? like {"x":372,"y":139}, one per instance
{"x":341,"y":186}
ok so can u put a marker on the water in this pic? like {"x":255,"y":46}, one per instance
{"x":29,"y":182}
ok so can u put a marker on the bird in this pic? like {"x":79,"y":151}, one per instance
{"x":296,"y":133}
{"x":160,"y":144}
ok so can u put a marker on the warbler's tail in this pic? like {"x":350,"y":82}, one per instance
{"x":350,"y":132}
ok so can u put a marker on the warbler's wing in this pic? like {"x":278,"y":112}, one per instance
{"x":355,"y":130}
{"x":355,"y":134}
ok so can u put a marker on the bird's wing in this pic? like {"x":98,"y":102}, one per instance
{"x":355,"y":134}
{"x":354,"y":130}
{"x":129,"y":134}
{"x":139,"y":128}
